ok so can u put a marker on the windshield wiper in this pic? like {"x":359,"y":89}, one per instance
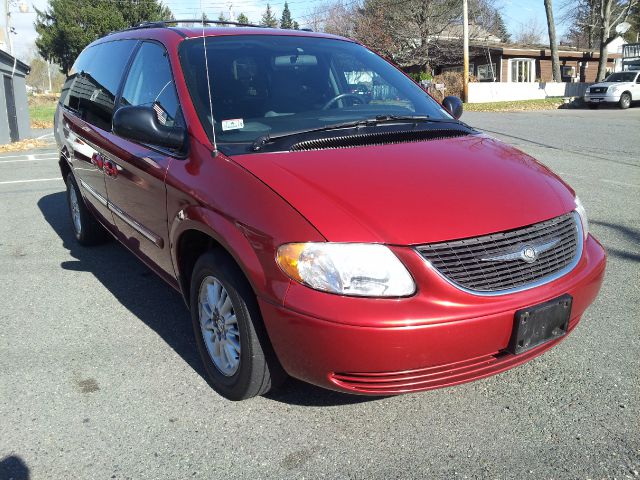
{"x":261,"y":141}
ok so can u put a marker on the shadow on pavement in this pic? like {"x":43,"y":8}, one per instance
{"x":630,"y":235}
{"x":13,"y":467}
{"x":158,"y":305}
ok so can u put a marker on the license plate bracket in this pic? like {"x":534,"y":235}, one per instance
{"x":540,"y":323}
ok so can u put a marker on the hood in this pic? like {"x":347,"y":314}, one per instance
{"x":414,"y":193}
{"x":610,"y":84}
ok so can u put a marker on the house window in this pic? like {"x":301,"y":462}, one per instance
{"x":487,"y":72}
{"x":457,"y":68}
{"x":522,"y":70}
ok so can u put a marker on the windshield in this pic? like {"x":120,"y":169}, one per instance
{"x":274,"y":84}
{"x":621,"y":77}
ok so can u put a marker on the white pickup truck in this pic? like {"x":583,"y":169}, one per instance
{"x":621,"y":88}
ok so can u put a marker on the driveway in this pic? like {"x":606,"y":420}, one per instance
{"x":99,"y":377}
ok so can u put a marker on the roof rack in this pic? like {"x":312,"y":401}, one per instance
{"x":171,"y":22}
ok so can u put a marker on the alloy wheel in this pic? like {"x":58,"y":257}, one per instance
{"x":219,"y":326}
{"x":75,"y":210}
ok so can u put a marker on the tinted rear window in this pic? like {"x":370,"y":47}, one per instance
{"x":93,"y":81}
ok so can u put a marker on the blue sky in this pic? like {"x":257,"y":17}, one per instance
{"x":519,"y":12}
{"x":515,"y":13}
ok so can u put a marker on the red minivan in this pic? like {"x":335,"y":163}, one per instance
{"x":371,"y":244}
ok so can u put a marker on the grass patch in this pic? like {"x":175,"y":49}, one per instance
{"x":551,"y":103}
{"x":41,"y":110}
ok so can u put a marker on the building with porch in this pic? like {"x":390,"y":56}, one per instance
{"x":524,"y":64}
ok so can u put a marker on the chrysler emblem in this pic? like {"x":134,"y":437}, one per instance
{"x":527,"y":253}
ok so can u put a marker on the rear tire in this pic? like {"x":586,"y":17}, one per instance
{"x":85,"y":227}
{"x":230,"y":335}
{"x":625,"y":101}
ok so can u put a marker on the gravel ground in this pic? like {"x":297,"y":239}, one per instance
{"x":99,"y":377}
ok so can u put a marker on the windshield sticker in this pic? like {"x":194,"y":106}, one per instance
{"x":233,"y":124}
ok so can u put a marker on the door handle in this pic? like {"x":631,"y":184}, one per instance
{"x":97,"y":160}
{"x":110,"y":168}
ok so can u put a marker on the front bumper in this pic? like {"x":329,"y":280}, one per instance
{"x":441,"y":336}
{"x":601,"y":97}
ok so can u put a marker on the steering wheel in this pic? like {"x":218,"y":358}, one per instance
{"x":340,"y":97}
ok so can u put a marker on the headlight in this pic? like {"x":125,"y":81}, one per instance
{"x":614,"y":89}
{"x":582,"y":213}
{"x":358,"y":269}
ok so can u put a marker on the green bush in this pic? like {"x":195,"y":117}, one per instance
{"x":419,"y":76}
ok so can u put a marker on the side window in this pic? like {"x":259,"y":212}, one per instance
{"x":72,"y":91}
{"x":94,"y":80}
{"x":150,"y":83}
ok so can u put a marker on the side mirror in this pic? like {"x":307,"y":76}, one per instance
{"x":141,"y":124}
{"x":453,"y":105}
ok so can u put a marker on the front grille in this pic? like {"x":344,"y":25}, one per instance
{"x":495,"y":263}
{"x":598,"y":90}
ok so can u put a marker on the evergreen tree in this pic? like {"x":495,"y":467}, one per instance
{"x":242,"y":18}
{"x":222,"y":18}
{"x":268,"y":18}
{"x":295,"y":25}
{"x":285,"y":20}
{"x":65,"y":27}
{"x":500,"y":28}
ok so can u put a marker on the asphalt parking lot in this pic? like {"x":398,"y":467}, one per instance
{"x":99,"y":376}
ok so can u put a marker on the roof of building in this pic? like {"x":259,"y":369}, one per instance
{"x":9,"y":59}
{"x":541,"y":50}
{"x":476,"y":33}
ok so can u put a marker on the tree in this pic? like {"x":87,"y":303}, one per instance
{"x":41,"y":71}
{"x":553,"y":43}
{"x":242,"y":18}
{"x":633,"y":33}
{"x":500,"y":29}
{"x":407,"y":31}
{"x":268,"y":18}
{"x":611,"y":13}
{"x":222,"y":18}
{"x":338,"y":20}
{"x":530,"y":33}
{"x":583,"y":20}
{"x":593,"y":24}
{"x":65,"y":27}
{"x":286,"y":21}
{"x":484,"y":14}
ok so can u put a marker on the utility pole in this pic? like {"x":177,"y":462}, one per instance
{"x":553,"y":43}
{"x":7,"y":24}
{"x":465,"y":45}
{"x":49,"y":75}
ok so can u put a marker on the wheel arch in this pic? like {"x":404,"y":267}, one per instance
{"x":627,"y":92}
{"x":197,"y":230}
{"x":63,"y":163}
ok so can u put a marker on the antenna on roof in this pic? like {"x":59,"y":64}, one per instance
{"x":206,"y":67}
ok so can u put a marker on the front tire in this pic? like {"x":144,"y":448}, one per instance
{"x":230,"y":335}
{"x":625,"y":101}
{"x":86,"y":228}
